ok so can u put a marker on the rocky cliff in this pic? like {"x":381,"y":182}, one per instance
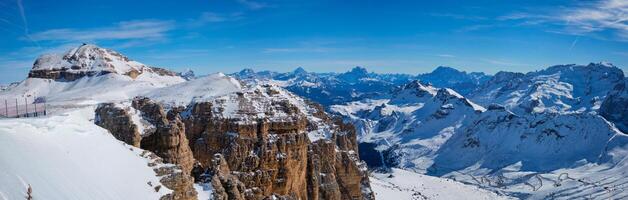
{"x":266,"y":142}
{"x":615,"y":106}
{"x":259,"y":143}
{"x":145,"y":124}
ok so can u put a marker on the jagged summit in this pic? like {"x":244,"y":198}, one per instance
{"x":450,"y":77}
{"x":299,"y":70}
{"x":445,"y":69}
{"x":89,"y":60}
{"x":359,"y":71}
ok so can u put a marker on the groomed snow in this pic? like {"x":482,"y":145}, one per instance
{"x":67,"y":157}
{"x":401,"y":185}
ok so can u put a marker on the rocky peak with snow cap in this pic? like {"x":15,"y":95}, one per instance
{"x":412,"y":92}
{"x":448,"y":77}
{"x":299,"y":70}
{"x":89,"y":60}
{"x":354,"y":75}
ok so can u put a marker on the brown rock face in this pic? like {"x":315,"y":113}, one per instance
{"x":252,"y":157}
{"x":166,"y":140}
{"x":172,"y":177}
{"x":257,"y":144}
{"x":118,"y":121}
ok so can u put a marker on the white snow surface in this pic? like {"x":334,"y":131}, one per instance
{"x":88,"y":90}
{"x":401,"y":184}
{"x":68,"y":157}
{"x":197,"y":90}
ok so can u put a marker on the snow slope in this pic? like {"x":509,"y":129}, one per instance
{"x":415,"y":122}
{"x":109,"y":87}
{"x":200,"y":89}
{"x":400,"y":184}
{"x":68,"y":157}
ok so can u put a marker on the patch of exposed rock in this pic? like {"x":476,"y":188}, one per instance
{"x":615,"y":106}
{"x":172,"y":177}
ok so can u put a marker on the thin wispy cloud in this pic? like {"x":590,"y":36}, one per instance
{"x":503,"y":62}
{"x":253,"y":5}
{"x":297,"y":50}
{"x":212,"y":17}
{"x":607,"y":19}
{"x":446,"y":56}
{"x":126,"y":30}
{"x":459,"y":16}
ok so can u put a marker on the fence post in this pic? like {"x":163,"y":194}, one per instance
{"x":35,"y":104}
{"x":26,"y":105}
{"x":6,"y":108}
{"x":17,"y":109}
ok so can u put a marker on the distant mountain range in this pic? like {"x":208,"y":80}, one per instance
{"x":559,"y":132}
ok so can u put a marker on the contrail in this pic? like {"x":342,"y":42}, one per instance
{"x":23,"y":15}
{"x":573,"y":44}
{"x":21,"y":9}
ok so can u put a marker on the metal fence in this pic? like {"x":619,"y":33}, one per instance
{"x":23,"y":107}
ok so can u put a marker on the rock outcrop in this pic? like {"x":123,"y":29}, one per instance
{"x":281,"y":147}
{"x":615,"y":106}
{"x":260,"y":143}
{"x":172,"y":177}
{"x":164,"y":135}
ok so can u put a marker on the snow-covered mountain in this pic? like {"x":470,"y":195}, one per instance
{"x":553,"y":133}
{"x":560,"y":88}
{"x":211,"y":129}
{"x":89,"y":73}
{"x":439,"y":132}
{"x":357,"y":84}
{"x":415,"y":122}
{"x":330,"y":88}
{"x":460,"y":81}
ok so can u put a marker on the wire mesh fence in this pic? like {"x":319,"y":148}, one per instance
{"x":23,"y":107}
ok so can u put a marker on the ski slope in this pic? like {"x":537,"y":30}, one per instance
{"x":68,"y":157}
{"x":400,"y":184}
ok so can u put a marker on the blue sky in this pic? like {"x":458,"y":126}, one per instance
{"x":383,"y":36}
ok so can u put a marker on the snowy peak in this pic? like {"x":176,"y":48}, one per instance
{"x":88,"y":57}
{"x":413,"y":92}
{"x":560,"y":88}
{"x":354,"y":75}
{"x":89,"y":60}
{"x":448,"y":77}
{"x":299,"y":70}
{"x":187,"y":74}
